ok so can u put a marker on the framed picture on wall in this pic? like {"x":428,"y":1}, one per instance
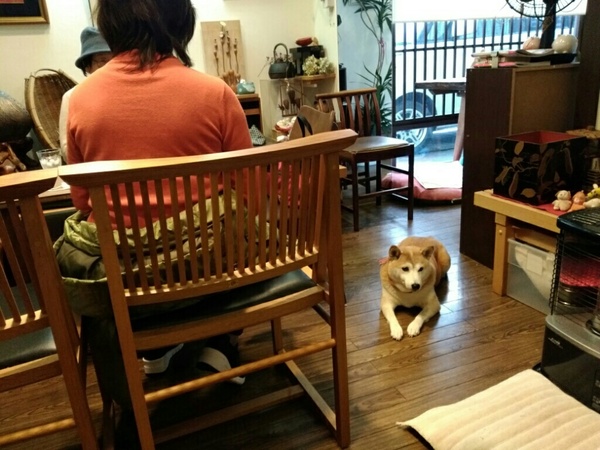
{"x":17,"y":12}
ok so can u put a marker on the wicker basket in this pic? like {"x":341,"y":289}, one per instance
{"x":44,"y":90}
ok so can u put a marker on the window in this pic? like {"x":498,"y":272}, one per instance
{"x":429,"y":50}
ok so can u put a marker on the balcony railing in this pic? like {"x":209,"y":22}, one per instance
{"x":433,"y":50}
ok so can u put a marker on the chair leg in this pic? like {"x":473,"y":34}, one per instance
{"x":411,"y":183}
{"x":340,"y":377}
{"x":108,"y":422}
{"x":378,"y":182}
{"x":355,"y":195}
{"x":367,"y":177}
{"x":277,"y":335}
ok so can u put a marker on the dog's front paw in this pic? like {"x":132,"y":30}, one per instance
{"x":413,"y":329}
{"x":396,"y":332}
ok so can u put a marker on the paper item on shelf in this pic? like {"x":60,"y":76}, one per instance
{"x":536,"y":52}
{"x":484,"y":54}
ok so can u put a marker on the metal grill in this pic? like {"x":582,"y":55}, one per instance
{"x":575,"y":295}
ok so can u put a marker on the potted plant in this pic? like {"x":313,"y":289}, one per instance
{"x":376,"y":15}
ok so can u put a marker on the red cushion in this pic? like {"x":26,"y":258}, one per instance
{"x":394,"y":179}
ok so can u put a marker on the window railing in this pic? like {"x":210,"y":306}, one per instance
{"x":434,"y":50}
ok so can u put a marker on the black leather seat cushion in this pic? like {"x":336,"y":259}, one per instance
{"x":28,"y":347}
{"x":227,"y":301}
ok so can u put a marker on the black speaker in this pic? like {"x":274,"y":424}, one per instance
{"x":342,"y":77}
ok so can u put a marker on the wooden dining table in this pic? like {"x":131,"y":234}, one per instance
{"x":58,"y":197}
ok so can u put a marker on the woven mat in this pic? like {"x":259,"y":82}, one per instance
{"x":525,"y":411}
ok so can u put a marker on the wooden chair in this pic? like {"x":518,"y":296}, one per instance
{"x":255,"y":275}
{"x":359,"y":110}
{"x":38,"y":336}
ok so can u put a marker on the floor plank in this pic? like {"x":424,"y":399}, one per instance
{"x":478,"y":339}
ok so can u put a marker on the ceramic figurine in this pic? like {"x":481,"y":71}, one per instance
{"x":593,"y":203}
{"x":578,"y":201}
{"x":565,"y":43}
{"x":594,"y":193}
{"x":563,"y":201}
{"x":531,"y":43}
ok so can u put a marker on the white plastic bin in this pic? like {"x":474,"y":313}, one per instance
{"x":529,"y":277}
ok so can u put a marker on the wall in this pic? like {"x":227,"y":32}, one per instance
{"x":27,"y":48}
{"x":358,"y":48}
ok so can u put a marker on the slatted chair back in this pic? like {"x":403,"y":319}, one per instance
{"x":44,"y":90}
{"x":356,"y":109}
{"x":275,"y":214}
{"x":38,"y":336}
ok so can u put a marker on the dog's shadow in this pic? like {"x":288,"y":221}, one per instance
{"x":442,"y":289}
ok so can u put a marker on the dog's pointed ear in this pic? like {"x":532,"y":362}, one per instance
{"x":428,"y":251}
{"x":394,"y":252}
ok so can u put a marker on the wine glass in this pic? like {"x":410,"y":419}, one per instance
{"x":49,"y":158}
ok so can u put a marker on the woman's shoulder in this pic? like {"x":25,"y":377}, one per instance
{"x":203,"y":77}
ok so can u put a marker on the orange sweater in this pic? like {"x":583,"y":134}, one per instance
{"x":121,"y":113}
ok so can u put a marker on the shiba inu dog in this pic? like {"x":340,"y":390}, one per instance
{"x":409,"y":276}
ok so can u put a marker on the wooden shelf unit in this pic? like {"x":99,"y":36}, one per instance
{"x":502,"y":102}
{"x":251,"y":105}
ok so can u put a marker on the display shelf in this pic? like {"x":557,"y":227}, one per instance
{"x":251,"y":106}
{"x":283,"y":97}
{"x":502,"y":102}
{"x":314,"y":78}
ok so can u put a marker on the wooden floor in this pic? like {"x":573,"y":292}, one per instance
{"x":478,"y":340}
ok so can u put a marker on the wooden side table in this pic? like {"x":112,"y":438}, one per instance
{"x":513,"y":219}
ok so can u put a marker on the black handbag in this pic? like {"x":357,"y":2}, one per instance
{"x":281,"y":67}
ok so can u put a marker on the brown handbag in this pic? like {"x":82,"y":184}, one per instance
{"x":9,"y":162}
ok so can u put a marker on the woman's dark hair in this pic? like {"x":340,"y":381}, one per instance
{"x":156,"y":28}
{"x":86,"y":62}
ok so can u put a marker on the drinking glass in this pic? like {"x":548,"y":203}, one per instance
{"x":49,"y":158}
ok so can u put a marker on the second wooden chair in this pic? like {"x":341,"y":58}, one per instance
{"x":359,"y":110}
{"x":38,"y":336}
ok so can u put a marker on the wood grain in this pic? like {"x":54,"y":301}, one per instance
{"x":478,"y":340}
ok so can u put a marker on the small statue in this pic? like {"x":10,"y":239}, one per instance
{"x":594,"y":193}
{"x":578,"y":201}
{"x":593,"y":197}
{"x":563,"y":201}
{"x":593,"y":203}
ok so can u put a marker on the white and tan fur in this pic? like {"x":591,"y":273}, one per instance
{"x":409,"y":276}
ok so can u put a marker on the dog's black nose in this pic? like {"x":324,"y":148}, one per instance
{"x":415,"y":286}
